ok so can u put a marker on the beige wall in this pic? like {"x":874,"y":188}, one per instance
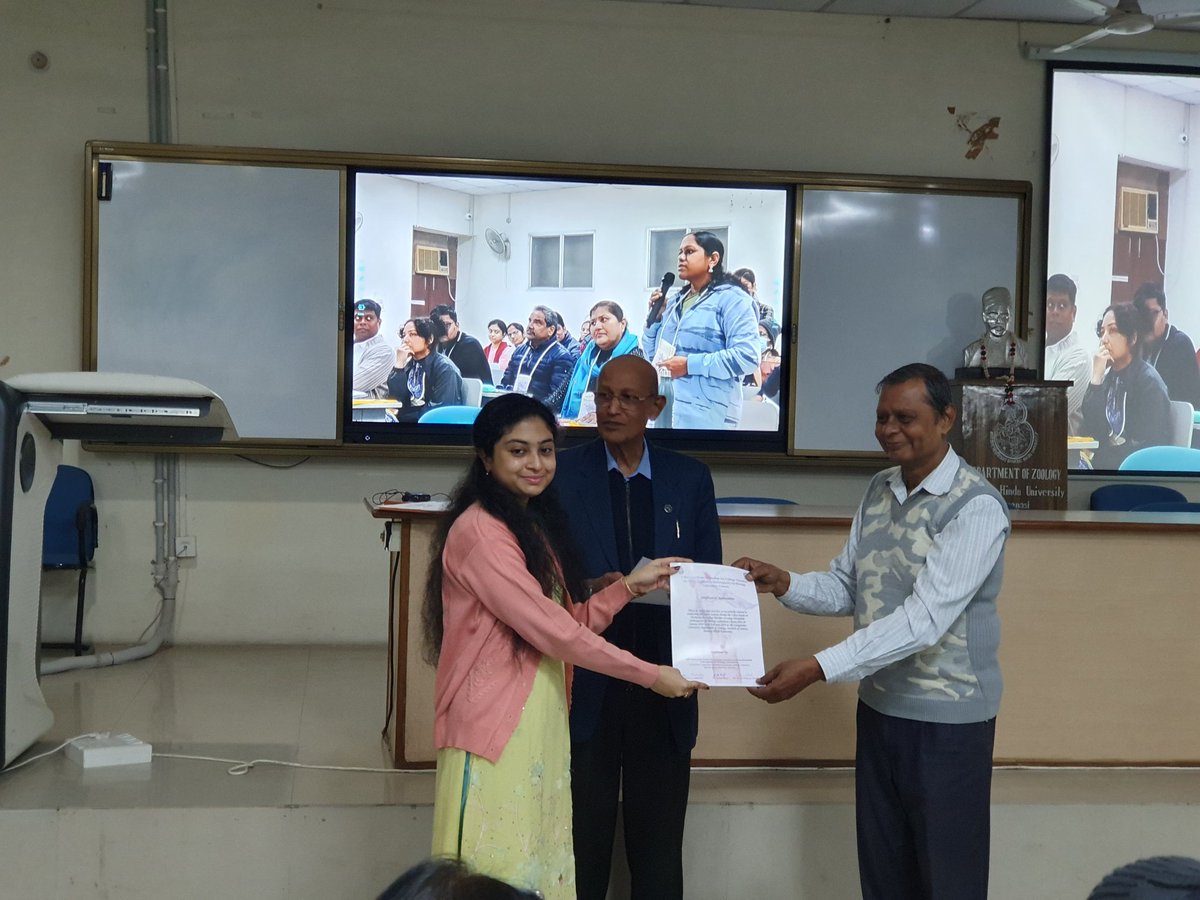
{"x":290,"y":555}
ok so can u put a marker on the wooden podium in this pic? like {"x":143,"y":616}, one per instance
{"x":1020,"y":447}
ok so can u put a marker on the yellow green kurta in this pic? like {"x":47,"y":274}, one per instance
{"x":512,"y":819}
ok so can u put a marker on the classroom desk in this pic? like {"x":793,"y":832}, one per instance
{"x":1100,"y":620}
{"x":370,"y":409}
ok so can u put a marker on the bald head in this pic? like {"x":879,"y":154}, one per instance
{"x":626,"y":398}
{"x":633,"y":372}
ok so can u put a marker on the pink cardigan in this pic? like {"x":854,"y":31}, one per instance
{"x":487,"y":593}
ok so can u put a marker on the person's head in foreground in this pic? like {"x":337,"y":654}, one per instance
{"x":1155,"y":878}
{"x":450,"y":879}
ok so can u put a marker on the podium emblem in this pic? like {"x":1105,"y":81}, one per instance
{"x":1013,"y":439}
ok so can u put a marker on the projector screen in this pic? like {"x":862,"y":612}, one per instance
{"x":507,"y":252}
{"x":1123,"y":228}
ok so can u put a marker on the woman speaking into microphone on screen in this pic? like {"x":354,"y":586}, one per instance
{"x":703,"y":339}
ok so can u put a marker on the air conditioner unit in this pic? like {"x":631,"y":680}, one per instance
{"x":1138,"y":211}
{"x":432,"y":260}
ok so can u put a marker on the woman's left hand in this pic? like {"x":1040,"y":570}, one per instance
{"x":675,"y":365}
{"x":655,"y":574}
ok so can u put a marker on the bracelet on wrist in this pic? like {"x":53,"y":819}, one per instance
{"x":628,"y":587}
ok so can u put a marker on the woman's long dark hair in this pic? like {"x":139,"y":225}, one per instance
{"x":712,"y":244}
{"x":540,"y":527}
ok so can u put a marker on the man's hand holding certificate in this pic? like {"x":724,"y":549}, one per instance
{"x":716,"y":633}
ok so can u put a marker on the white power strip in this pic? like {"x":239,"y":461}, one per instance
{"x":108,"y":750}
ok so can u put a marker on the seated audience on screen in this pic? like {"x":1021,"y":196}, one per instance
{"x":450,"y":879}
{"x":422,"y":379}
{"x":768,"y":331}
{"x":459,"y":347}
{"x":611,"y":337}
{"x":770,"y":377}
{"x":1067,"y":359}
{"x":769,"y":364}
{"x":516,"y":334}
{"x":1165,"y":347}
{"x":585,"y":332}
{"x":749,"y":283}
{"x":565,"y":337}
{"x":1125,"y":406}
{"x":540,"y":366}
{"x":373,"y":355}
{"x":498,"y":350}
{"x":704,"y":340}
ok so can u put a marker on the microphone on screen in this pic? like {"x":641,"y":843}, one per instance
{"x":656,"y":309}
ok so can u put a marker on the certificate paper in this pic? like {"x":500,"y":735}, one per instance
{"x":716,"y":633}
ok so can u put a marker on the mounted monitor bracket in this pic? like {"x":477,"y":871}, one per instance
{"x":38,"y":412}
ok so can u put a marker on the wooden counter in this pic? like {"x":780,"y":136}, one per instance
{"x":1100,"y":623}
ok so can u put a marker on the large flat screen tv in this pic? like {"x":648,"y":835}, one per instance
{"x":464,"y":261}
{"x":1124,"y":231}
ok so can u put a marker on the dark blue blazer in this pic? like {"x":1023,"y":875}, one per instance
{"x":685,"y":524}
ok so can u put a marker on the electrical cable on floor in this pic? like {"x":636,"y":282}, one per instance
{"x":25,"y":762}
{"x":241,"y":767}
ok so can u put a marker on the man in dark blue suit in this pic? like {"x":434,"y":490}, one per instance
{"x":627,"y":500}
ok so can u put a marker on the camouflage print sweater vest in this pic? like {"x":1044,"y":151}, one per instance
{"x":957,"y":680}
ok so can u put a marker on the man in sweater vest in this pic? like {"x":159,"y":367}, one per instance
{"x":920,"y":573}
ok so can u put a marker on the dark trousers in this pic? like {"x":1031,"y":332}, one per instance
{"x":631,"y":754}
{"x":923,"y":801}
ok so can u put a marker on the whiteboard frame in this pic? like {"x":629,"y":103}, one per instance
{"x":802,"y":181}
{"x":1006,"y":192}
{"x":98,"y":152}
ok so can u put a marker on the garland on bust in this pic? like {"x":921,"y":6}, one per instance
{"x":1009,"y":379}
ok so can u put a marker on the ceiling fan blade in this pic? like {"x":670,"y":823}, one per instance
{"x":1086,"y":39}
{"x":1093,"y":7}
{"x":1177,"y":18}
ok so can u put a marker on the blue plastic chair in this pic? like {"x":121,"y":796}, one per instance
{"x":450,"y":415}
{"x":1123,"y":497}
{"x":778,"y":500}
{"x":1180,"y":506}
{"x":70,"y":536}
{"x":1162,"y":459}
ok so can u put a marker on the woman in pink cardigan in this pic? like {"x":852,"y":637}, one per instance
{"x":502,"y":628}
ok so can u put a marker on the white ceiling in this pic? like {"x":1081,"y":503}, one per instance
{"x":1089,"y":15}
{"x":1077,"y":12}
{"x":483,"y":185}
{"x":1185,"y":89}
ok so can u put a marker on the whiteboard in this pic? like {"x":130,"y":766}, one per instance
{"x":888,"y":278}
{"x":227,"y":275}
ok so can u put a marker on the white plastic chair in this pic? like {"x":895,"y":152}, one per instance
{"x":472,"y":392}
{"x":1182,"y":414}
